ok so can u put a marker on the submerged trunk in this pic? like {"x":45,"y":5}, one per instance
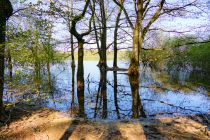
{"x":134,"y":83}
{"x":115,"y":94}
{"x":97,"y":100}
{"x":73,"y":108}
{"x":103,"y":80}
{"x":80,"y":78}
{"x":141,"y":108}
{"x":102,"y":95}
{"x":137,"y":107}
{"x":50,"y":85}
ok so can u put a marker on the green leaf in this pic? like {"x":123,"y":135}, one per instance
{"x":22,"y":1}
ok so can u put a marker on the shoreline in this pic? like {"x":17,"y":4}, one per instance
{"x":44,"y":123}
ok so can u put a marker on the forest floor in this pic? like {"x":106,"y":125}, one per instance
{"x":48,"y":124}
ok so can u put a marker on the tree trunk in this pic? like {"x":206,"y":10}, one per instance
{"x":80,"y":70}
{"x":72,"y":67}
{"x":50,"y":85}
{"x":2,"y":52}
{"x":141,"y":108}
{"x":103,"y":59}
{"x":134,"y":64}
{"x":95,"y":29}
{"x":36,"y":65}
{"x":134,"y":83}
{"x":5,"y":12}
{"x":137,"y":107}
{"x":72,"y":38}
{"x":137,"y":42}
{"x":80,"y":78}
{"x":10,"y":64}
{"x":103,"y":91}
{"x":72,"y":85}
{"x":115,"y":37}
{"x":116,"y":94}
{"x":72,"y":52}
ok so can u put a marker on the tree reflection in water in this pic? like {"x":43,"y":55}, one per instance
{"x":137,"y":107}
{"x":115,"y":95}
{"x":102,"y":95}
{"x":73,"y":107}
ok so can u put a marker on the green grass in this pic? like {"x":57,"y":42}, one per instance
{"x":93,"y":55}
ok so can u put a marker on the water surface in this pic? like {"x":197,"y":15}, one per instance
{"x":161,"y":92}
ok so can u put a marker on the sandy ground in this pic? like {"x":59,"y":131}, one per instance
{"x":47,"y":124}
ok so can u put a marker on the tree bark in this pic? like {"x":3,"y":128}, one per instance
{"x":50,"y":84}
{"x":72,"y":85}
{"x":103,"y":80}
{"x":71,"y":35}
{"x":134,"y":64}
{"x":10,"y":65}
{"x":80,"y":78}
{"x":116,"y":35}
{"x":116,"y":94}
{"x":139,"y":30}
{"x":134,"y":83}
{"x":93,"y":7}
{"x":2,"y":52}
{"x":137,"y":43}
{"x":137,"y":107}
{"x":5,"y":12}
{"x":80,"y":70}
{"x":103,"y":59}
{"x":72,"y":52}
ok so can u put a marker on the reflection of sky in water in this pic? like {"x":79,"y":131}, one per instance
{"x":154,"y":101}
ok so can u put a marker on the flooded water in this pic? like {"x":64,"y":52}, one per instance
{"x":112,"y":95}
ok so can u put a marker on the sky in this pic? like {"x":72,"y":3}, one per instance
{"x":191,"y":25}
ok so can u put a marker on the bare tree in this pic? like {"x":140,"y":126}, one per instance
{"x":81,"y":41}
{"x":100,"y":24}
{"x":116,"y":33}
{"x":146,"y":13}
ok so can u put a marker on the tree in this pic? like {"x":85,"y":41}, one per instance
{"x":81,"y":41}
{"x":64,"y":10}
{"x":101,"y":37}
{"x":116,"y":33}
{"x":32,"y":38}
{"x":146,"y":13}
{"x":5,"y":12}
